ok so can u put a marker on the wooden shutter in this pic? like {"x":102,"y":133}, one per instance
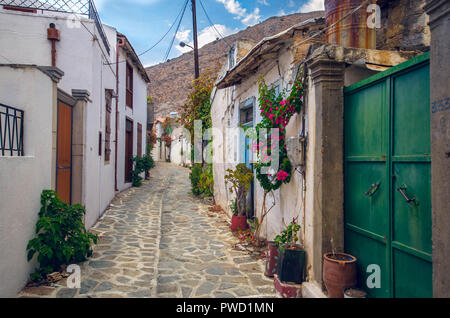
{"x":108,"y":102}
{"x":139,"y":140}
{"x":129,"y":86}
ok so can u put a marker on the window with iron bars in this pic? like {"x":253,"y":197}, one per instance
{"x":11,"y":131}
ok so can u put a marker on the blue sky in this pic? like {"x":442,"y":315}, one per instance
{"x":144,"y":22}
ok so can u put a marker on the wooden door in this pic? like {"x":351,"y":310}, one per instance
{"x":128,"y":149}
{"x":64,"y":153}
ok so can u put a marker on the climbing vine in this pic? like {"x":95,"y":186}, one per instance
{"x":276,"y":111}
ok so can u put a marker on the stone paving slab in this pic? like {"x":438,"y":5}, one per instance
{"x":160,"y":241}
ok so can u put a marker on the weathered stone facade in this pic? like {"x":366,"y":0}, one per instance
{"x":404,"y":26}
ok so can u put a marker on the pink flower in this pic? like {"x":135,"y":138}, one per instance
{"x":283,"y":102}
{"x":282,"y":175}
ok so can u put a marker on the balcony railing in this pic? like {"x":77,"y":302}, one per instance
{"x":11,"y":131}
{"x":83,"y":7}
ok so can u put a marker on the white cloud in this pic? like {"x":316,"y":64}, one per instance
{"x":264,"y":2}
{"x":183,"y":35}
{"x":281,"y":13}
{"x":252,"y":18}
{"x":234,"y":7}
{"x":312,"y":5}
{"x":206,"y":36}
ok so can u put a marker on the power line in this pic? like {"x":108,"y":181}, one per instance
{"x":213,"y":25}
{"x":183,"y":8}
{"x":176,"y":31}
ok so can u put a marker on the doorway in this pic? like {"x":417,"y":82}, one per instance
{"x":128,"y":149}
{"x":64,"y":152}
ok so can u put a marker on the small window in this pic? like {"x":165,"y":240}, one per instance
{"x":246,"y":111}
{"x":129,"y":86}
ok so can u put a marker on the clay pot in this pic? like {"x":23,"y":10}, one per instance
{"x":238,"y":223}
{"x":291,"y":264}
{"x":271,"y":260}
{"x":339,"y":273}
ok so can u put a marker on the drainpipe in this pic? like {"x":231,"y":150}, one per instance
{"x":120,"y":43}
{"x":53,"y":36}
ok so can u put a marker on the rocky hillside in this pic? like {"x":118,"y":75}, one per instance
{"x":170,"y":81}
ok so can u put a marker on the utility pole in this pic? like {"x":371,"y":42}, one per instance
{"x":194,"y":22}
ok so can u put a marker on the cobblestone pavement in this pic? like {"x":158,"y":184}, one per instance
{"x":160,"y":241}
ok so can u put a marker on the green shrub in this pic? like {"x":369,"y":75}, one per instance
{"x":195,"y":174}
{"x":206,"y":184}
{"x":61,"y":236}
{"x":139,"y":166}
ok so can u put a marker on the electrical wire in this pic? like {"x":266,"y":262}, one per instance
{"x":213,"y":25}
{"x":183,"y":8}
{"x":176,"y":32}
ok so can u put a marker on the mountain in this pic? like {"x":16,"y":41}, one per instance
{"x":170,"y":81}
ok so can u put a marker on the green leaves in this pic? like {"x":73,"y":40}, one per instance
{"x":141,"y":164}
{"x":202,"y":180}
{"x":61,"y":236}
{"x":289,"y":235}
{"x":240,"y":180}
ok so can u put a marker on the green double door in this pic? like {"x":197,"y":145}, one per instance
{"x":388,"y":180}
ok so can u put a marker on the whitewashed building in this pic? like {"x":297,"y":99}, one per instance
{"x":59,"y":86}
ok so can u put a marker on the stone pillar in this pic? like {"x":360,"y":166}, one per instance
{"x":439,"y":12}
{"x":79,"y":145}
{"x":325,"y":143}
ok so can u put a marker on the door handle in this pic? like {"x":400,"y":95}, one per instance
{"x":373,"y":188}
{"x":402,"y":191}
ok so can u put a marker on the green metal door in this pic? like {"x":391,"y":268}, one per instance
{"x":388,"y":180}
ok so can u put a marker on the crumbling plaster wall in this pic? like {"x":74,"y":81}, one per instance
{"x":404,"y":26}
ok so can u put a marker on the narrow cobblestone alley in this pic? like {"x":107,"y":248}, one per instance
{"x":160,"y":241}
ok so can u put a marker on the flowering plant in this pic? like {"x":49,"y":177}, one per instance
{"x":276,"y":111}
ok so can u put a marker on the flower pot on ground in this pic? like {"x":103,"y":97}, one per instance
{"x":339,"y":273}
{"x":238,"y":222}
{"x":291,"y":264}
{"x":272,"y":259}
{"x":240,"y":180}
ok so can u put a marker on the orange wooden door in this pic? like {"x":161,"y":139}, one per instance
{"x":64,"y":153}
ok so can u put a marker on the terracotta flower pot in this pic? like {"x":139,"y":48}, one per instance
{"x":271,"y":260}
{"x":339,"y":273}
{"x":238,"y":223}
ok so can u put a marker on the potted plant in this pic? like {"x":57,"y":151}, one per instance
{"x":240,"y":180}
{"x":291,"y":261}
{"x":339,"y":273}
